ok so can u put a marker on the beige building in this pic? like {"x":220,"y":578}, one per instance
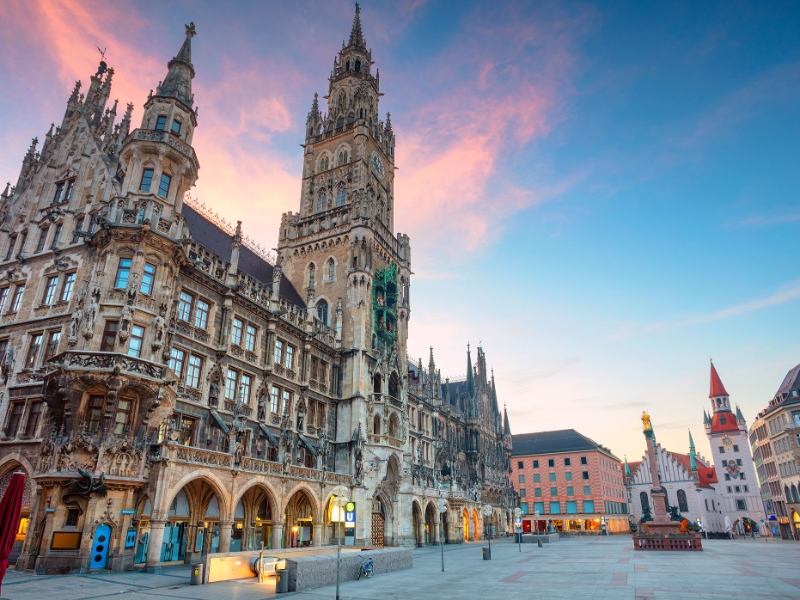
{"x":775,"y":439}
{"x":173,"y":390}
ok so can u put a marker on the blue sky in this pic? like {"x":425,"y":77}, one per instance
{"x":603,"y":194}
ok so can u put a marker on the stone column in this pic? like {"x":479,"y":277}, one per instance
{"x":277,"y":536}
{"x":152,"y":564}
{"x":225,"y":536}
{"x":317,"y":534}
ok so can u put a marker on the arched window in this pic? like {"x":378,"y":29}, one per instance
{"x":394,"y":385}
{"x":347,"y":66}
{"x":376,"y":425}
{"x":322,"y":201}
{"x":795,"y":495}
{"x":350,"y":118}
{"x":394,"y":426}
{"x":339,"y":122}
{"x":644,"y":500}
{"x":331,"y":269}
{"x":312,"y":274}
{"x":342,"y":157}
{"x":322,"y":311}
{"x":376,"y":384}
{"x":341,"y":103}
{"x":341,"y":196}
{"x":683,"y":505}
{"x":358,"y":66}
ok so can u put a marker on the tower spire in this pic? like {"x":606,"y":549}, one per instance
{"x":178,"y":82}
{"x":717,"y":389}
{"x":692,"y":453}
{"x":356,"y":34}
{"x":470,"y":377}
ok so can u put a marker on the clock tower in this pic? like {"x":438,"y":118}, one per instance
{"x":341,"y":250}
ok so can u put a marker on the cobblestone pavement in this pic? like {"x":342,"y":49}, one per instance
{"x":577,"y":568}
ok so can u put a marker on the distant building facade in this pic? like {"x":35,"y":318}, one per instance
{"x":172,"y":390}
{"x":775,"y":439}
{"x":571,"y":481}
{"x":723,"y":492}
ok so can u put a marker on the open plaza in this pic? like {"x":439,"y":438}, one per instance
{"x":581,"y":567}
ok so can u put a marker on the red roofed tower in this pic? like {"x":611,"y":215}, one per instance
{"x":722,"y":419}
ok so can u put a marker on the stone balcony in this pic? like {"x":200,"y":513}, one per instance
{"x":110,"y":362}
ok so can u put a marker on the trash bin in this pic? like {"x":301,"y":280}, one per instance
{"x":540,"y":542}
{"x":197,"y":574}
{"x":487,"y":553}
{"x":281,"y":581}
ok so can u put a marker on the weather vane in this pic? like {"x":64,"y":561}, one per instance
{"x":102,"y":52}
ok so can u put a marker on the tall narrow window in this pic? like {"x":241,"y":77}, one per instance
{"x":322,"y":311}
{"x":331,"y":269}
{"x":161,"y":122}
{"x":250,"y":338}
{"x":23,"y":240}
{"x":78,"y":228}
{"x":12,"y":241}
{"x":50,"y":290}
{"x":56,"y":236}
{"x":201,"y":314}
{"x":341,"y":197}
{"x":176,"y":358}
{"x":163,"y":187}
{"x":70,"y":187}
{"x":14,"y":418}
{"x":52,"y":345}
{"x":42,"y":240}
{"x":33,"y":351}
{"x":137,"y":341}
{"x":185,"y":306}
{"x":278,"y":358}
{"x":148,"y":278}
{"x":123,"y":272}
{"x":274,"y":400}
{"x":34,"y":413}
{"x":236,"y":332}
{"x":66,"y":289}
{"x":94,"y":413}
{"x":683,"y":505}
{"x":230,"y":385}
{"x":322,"y":201}
{"x":109,"y":336}
{"x":3,"y":298}
{"x":244,"y":388}
{"x":59,"y":192}
{"x":176,"y":126}
{"x":123,"y":416}
{"x":287,"y":399}
{"x":187,"y":428}
{"x":289,"y":357}
{"x":193,"y":371}
{"x":16,"y":302}
{"x":147,"y":179}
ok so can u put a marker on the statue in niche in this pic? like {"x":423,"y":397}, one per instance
{"x":90,"y":314}
{"x":301,"y":414}
{"x":125,"y":322}
{"x":160,"y":327}
{"x":213,"y":391}
{"x":74,"y":324}
{"x":262,"y":406}
{"x":238,"y":454}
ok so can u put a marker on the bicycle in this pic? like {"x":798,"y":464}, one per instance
{"x":365,"y":568}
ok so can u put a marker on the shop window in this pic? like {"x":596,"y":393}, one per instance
{"x":555,"y":508}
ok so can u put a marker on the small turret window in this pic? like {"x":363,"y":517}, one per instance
{"x":331,"y":269}
{"x":147,"y":178}
{"x":176,"y":126}
{"x":341,"y":196}
{"x":161,"y":122}
{"x":322,"y":201}
{"x":322,"y":311}
{"x":342,"y":157}
{"x":358,"y":66}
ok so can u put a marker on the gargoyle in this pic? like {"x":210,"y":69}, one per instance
{"x":85,"y":486}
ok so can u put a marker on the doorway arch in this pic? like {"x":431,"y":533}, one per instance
{"x":300,"y":511}
{"x":378,"y":522}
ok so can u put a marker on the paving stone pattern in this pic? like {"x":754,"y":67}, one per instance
{"x":604,"y":567}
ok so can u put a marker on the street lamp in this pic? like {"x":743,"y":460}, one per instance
{"x":441,"y":504}
{"x":518,"y":525}
{"x":339,"y":500}
{"x":487,"y":511}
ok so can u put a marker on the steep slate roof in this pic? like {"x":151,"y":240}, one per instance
{"x":790,"y":382}
{"x":211,"y":237}
{"x":552,"y":442}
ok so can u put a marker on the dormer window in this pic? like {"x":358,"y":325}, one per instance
{"x":161,"y":122}
{"x":176,"y":126}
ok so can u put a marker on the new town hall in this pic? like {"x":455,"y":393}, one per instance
{"x":172,"y":390}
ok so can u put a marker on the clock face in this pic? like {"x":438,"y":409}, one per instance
{"x":377,"y":164}
{"x":727,"y":440}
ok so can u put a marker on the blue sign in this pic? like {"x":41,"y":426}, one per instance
{"x":130,"y":538}
{"x":350,"y":513}
{"x":128,"y":511}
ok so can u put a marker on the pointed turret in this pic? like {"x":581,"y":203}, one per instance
{"x":431,"y":364}
{"x":494,"y":396}
{"x":506,"y":425}
{"x":7,"y":192}
{"x":356,"y":34}
{"x":178,"y":82}
{"x":717,"y":389}
{"x":470,"y":376}
{"x":627,"y":468}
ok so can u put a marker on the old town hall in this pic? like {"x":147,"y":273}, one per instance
{"x":172,"y":390}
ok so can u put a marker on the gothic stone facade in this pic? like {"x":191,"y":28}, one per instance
{"x":166,"y":387}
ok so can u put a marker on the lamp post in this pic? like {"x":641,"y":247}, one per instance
{"x":517,"y":517}
{"x":487,"y":511}
{"x":441,"y":504}
{"x":339,"y":500}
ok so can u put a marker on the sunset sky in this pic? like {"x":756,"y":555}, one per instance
{"x":601,"y":194}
